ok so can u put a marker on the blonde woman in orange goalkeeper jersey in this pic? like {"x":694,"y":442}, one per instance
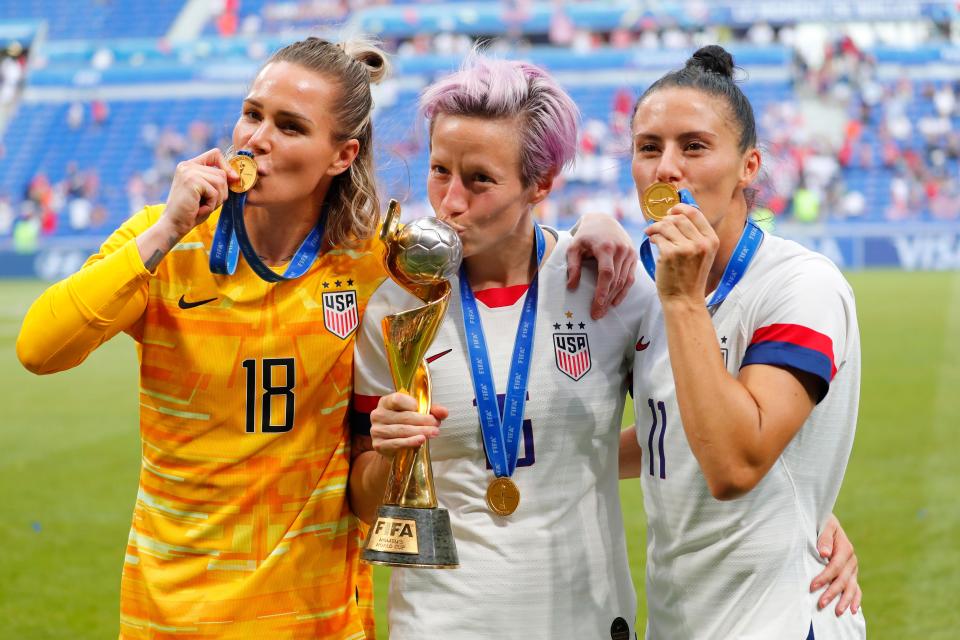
{"x":242,"y":527}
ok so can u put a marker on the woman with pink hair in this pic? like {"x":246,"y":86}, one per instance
{"x":500,"y":132}
{"x":530,"y":386}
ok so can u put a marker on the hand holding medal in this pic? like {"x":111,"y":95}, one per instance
{"x":688,"y":245}
{"x":200,"y":186}
{"x":231,"y":236}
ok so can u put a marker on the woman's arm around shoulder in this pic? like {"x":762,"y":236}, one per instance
{"x":600,"y":237}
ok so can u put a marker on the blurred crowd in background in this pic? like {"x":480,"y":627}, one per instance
{"x":843,"y":132}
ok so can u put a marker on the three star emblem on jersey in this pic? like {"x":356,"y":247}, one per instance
{"x":340,"y":315}
{"x":572,"y":353}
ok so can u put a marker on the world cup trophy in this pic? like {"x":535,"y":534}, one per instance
{"x":411,"y":530}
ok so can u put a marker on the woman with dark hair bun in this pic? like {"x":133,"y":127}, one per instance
{"x":746,"y":383}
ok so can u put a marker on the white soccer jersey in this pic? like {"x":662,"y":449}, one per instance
{"x":557,"y":567}
{"x":742,"y":568}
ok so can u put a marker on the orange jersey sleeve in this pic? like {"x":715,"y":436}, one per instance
{"x":78,"y":314}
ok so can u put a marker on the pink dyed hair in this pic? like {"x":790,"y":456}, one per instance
{"x":492,"y":88}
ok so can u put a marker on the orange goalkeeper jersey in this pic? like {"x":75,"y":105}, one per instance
{"x":241,"y":527}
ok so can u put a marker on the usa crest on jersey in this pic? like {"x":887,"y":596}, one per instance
{"x":572,"y":352}
{"x":340,"y":315}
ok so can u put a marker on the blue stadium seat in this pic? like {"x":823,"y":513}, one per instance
{"x":97,"y":19}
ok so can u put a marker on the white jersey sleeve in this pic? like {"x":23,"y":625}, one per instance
{"x":803,"y":321}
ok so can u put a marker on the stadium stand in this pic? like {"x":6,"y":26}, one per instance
{"x":860,"y":135}
{"x":96,"y":19}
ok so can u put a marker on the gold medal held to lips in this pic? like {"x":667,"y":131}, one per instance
{"x":503,"y":496}
{"x":246,"y":168}
{"x":658,"y":199}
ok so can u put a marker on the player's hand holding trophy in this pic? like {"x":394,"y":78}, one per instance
{"x":410,"y":529}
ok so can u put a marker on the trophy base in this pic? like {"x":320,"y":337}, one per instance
{"x":409,"y":537}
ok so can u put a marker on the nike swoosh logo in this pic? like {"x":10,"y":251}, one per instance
{"x":438,"y":355}
{"x":183,"y":304}
{"x":640,"y":344}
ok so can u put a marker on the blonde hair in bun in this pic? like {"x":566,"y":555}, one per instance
{"x":367,"y":52}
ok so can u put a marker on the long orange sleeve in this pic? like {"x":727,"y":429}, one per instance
{"x":78,"y":314}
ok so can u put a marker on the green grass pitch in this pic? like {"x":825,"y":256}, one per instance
{"x":69,"y":456}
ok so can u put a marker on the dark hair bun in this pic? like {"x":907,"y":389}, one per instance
{"x":714,"y":59}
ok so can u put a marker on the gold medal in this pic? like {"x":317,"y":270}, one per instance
{"x":658,"y":199}
{"x":503,"y":496}
{"x":246,"y":168}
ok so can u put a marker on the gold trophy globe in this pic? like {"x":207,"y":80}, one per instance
{"x":411,"y":530}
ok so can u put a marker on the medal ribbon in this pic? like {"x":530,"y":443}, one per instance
{"x":224,"y":253}
{"x":743,"y":254}
{"x":501,"y":432}
{"x":231,"y":238}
